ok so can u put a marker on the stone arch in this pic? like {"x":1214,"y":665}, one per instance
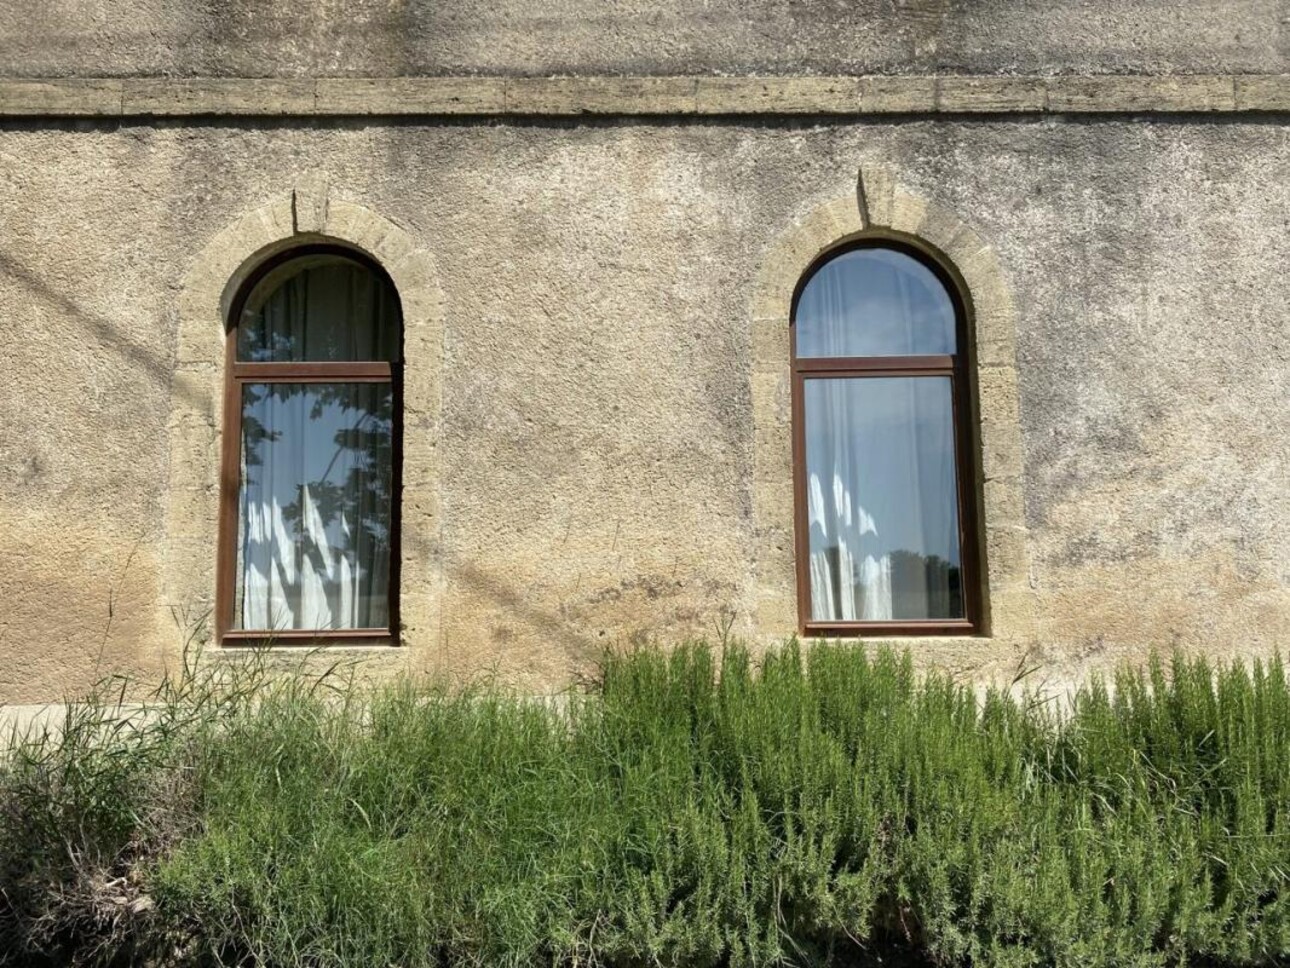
{"x":881,"y":208}
{"x":310,"y":213}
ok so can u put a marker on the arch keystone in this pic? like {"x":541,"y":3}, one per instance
{"x":309,"y":203}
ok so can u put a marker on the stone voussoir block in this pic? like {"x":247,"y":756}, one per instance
{"x":280,"y":214}
{"x":770,"y":343}
{"x":994,"y":343}
{"x":815,"y":234}
{"x":1007,"y":557}
{"x":393,"y":248}
{"x":992,"y":304}
{"x":423,"y":305}
{"x":310,"y":200}
{"x":255,"y":230}
{"x":1004,"y":502}
{"x":415,"y":272}
{"x":961,"y":243}
{"x":978,"y":263}
{"x":1002,"y":455}
{"x":939,"y":226}
{"x":341,"y":214}
{"x":366,"y":233}
{"x":846,"y":216}
{"x":818,"y":229}
{"x":906,"y":213}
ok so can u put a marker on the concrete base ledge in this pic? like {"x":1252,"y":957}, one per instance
{"x":605,"y":95}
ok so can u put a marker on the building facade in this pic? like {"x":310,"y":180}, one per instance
{"x":481,"y":339}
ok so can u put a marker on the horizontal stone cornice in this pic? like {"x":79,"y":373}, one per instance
{"x":649,"y":96}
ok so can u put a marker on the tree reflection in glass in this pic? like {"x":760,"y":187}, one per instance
{"x":314,"y":536}
{"x":319,"y":308}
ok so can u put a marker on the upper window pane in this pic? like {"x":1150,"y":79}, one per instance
{"x":874,"y":302}
{"x":319,"y":308}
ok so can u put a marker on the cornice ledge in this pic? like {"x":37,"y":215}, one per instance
{"x":845,"y":96}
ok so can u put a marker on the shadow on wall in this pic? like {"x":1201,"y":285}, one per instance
{"x":578,"y":645}
{"x":104,"y":331}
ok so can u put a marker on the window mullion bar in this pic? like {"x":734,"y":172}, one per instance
{"x":859,"y":374}
{"x":878,"y":364}
{"x":313,"y":372}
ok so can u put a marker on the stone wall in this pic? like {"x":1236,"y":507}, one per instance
{"x":595,"y":446}
{"x":329,"y":38}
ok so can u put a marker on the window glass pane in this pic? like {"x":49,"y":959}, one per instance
{"x":314,"y":521}
{"x":874,"y":302}
{"x":882,"y":499}
{"x":319,"y":308}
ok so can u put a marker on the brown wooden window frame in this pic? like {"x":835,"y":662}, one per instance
{"x":236,"y":375}
{"x":956,"y":367}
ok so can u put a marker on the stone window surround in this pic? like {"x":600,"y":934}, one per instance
{"x":880,"y":208}
{"x":308,"y":214}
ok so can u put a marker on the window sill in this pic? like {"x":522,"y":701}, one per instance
{"x":886,"y":630}
{"x":310,"y":639}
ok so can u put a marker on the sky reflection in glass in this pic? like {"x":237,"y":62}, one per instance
{"x":874,"y":302}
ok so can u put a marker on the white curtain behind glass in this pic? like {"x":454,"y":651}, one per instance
{"x":319,"y":308}
{"x":314,"y":548}
{"x":881,"y":501}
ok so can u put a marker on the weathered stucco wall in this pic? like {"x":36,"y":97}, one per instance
{"x":266,"y":38}
{"x":597,"y":435}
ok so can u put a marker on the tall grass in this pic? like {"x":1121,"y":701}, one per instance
{"x":823,"y":806}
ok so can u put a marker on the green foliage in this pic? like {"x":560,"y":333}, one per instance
{"x":824,"y":806}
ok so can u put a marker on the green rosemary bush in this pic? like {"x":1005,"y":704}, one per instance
{"x":823,"y":806}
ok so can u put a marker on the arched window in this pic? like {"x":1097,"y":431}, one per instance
{"x":881,"y":448}
{"x":310,"y":482}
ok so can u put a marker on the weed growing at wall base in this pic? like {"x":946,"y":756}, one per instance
{"x":825,"y":806}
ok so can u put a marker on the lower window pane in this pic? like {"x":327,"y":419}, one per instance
{"x":882,"y":499}
{"x":314,"y":517}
